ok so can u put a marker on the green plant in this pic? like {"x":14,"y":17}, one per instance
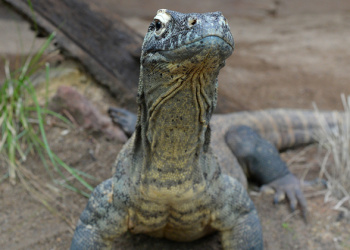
{"x":22,"y":122}
{"x":287,"y":226}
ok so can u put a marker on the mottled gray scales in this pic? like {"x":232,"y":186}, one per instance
{"x":178,"y":176}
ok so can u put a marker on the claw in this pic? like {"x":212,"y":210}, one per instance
{"x":316,"y":183}
{"x":124,"y":119}
{"x":265,"y":189}
{"x":292,"y":199}
{"x":279,"y":196}
{"x":288,"y":186}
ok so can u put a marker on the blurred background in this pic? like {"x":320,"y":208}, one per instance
{"x":287,"y":54}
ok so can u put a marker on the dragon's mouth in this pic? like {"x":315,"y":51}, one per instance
{"x":209,"y":44}
{"x":203,"y":40}
{"x":227,"y":41}
{"x":200,"y":40}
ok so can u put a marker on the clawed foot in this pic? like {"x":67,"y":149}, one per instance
{"x":288,"y":186}
{"x":124,"y":119}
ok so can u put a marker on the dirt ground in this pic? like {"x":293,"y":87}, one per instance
{"x":288,"y":54}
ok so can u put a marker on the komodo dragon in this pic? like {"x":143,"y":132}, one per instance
{"x":175,"y":178}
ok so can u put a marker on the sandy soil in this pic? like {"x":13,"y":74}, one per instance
{"x":288,"y":54}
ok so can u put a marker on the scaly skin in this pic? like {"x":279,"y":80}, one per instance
{"x":283,"y":128}
{"x":247,"y":143}
{"x":168,"y":181}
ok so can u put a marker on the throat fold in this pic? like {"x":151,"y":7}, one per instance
{"x":176,"y":136}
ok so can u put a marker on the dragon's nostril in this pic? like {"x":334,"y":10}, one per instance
{"x":192,"y":21}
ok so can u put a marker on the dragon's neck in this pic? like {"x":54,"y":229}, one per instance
{"x":174,"y":136}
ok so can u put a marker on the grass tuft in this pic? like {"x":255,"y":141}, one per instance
{"x":22,"y":123}
{"x":336,"y":163}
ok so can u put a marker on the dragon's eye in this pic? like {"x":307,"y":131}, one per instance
{"x":161,"y":22}
{"x":158,"y":25}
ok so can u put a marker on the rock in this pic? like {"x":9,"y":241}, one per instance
{"x":68,"y":100}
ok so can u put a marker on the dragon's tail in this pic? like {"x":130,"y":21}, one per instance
{"x":289,"y":128}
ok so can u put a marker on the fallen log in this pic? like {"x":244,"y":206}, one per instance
{"x":107,"y":48}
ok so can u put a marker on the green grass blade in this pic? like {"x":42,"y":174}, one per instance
{"x":34,"y":63}
{"x":50,"y":112}
{"x":86,"y":175}
{"x":33,"y":15}
{"x":74,"y":189}
{"x":74,"y":173}
{"x":47,"y":77}
{"x":31,"y":91}
{"x":53,"y":158}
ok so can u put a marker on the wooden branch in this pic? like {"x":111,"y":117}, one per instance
{"x":107,"y":47}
